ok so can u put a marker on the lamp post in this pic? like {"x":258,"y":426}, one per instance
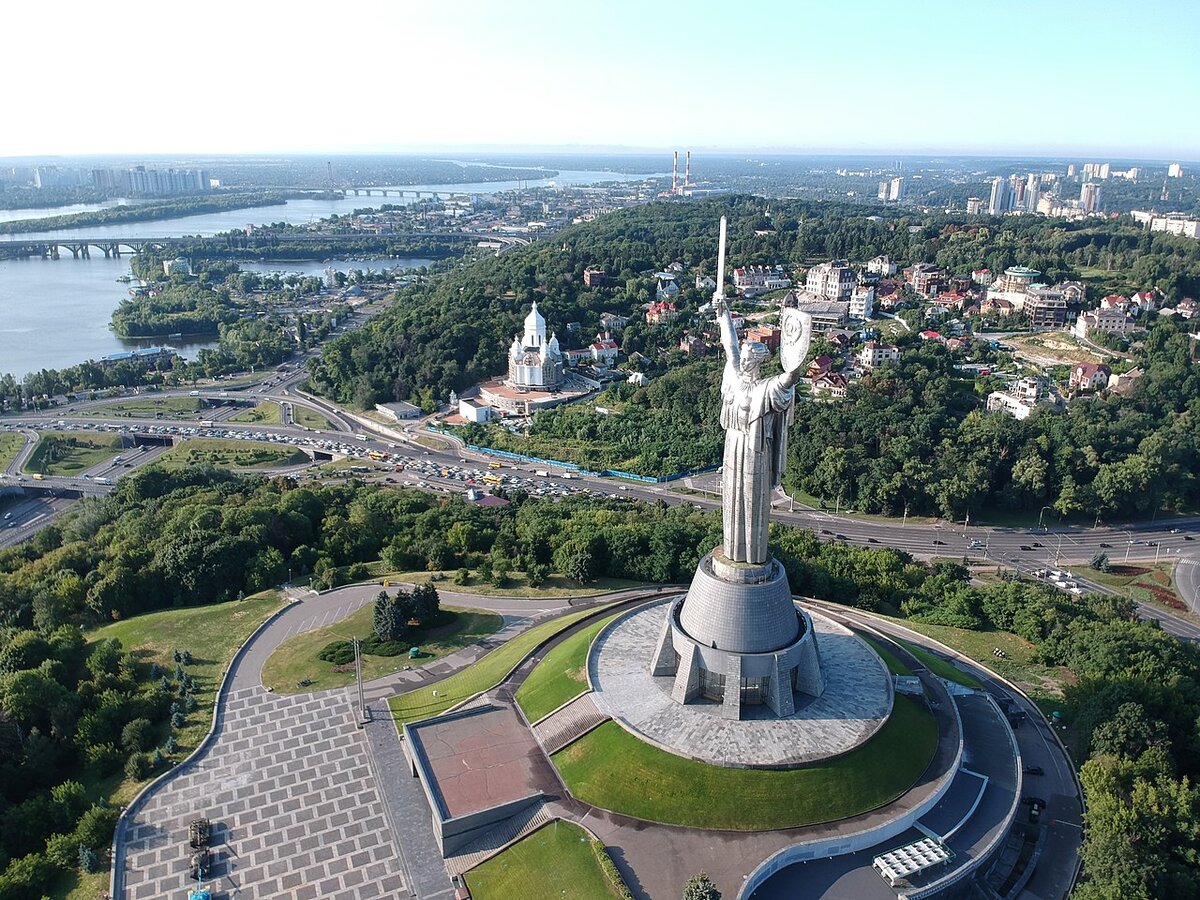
{"x":1042,"y":516}
{"x":1128,"y":545}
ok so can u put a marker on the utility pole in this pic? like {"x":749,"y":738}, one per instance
{"x":362,"y":703}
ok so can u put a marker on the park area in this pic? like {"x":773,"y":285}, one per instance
{"x":229,"y":455}
{"x":66,"y":453}
{"x":296,"y":664}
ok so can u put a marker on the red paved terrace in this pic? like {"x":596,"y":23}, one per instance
{"x":478,"y":759}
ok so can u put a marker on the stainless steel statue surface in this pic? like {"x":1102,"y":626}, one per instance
{"x":755,"y":413}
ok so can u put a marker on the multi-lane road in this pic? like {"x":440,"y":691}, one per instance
{"x":1027,"y":551}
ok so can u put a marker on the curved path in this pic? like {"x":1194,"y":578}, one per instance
{"x":299,"y":805}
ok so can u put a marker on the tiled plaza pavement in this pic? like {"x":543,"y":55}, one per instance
{"x":294,"y":806}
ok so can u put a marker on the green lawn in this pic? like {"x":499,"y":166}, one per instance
{"x":10,"y":445}
{"x":1147,"y":582}
{"x":229,"y":455}
{"x":1018,"y":664}
{"x":302,"y":415}
{"x":147,"y":408}
{"x":558,"y":860}
{"x":263,"y":413}
{"x":561,"y":675}
{"x":488,"y":672}
{"x":515,"y":586}
{"x":894,"y":665}
{"x":610,"y":768}
{"x":941,"y":667}
{"x":296,"y":659}
{"x":79,"y":452}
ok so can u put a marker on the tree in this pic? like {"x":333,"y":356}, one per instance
{"x":1100,"y":562}
{"x":700,"y":887}
{"x":136,"y":736}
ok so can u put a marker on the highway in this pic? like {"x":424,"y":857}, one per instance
{"x":1026,"y":551}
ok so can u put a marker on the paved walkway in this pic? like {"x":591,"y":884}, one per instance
{"x":304,"y":804}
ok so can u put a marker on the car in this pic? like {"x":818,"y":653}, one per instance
{"x":872,"y":540}
{"x":1033,"y":770}
{"x":1174,"y":531}
{"x":826,"y":531}
{"x":1037,"y":545}
{"x":1104,"y":545}
{"x":1026,"y":548}
{"x":938,"y":543}
{"x":840,"y":537}
{"x":1188,"y":537}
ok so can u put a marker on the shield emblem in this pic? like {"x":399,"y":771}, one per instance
{"x":795,"y":334}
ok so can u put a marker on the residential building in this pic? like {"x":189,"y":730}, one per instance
{"x":604,"y":350}
{"x":1174,"y":170}
{"x":826,"y":314}
{"x":862,"y":301}
{"x":1111,"y":320}
{"x":1046,"y":307}
{"x":660,"y":313}
{"x":1175,"y":223}
{"x":693,"y":345}
{"x":1089,"y":197}
{"x":974,"y":206}
{"x":1001,"y":198}
{"x":755,"y":279}
{"x":1147,"y":300}
{"x":1016,"y":279}
{"x":180,"y":265}
{"x":705,"y":283}
{"x":1031,"y":192}
{"x":1020,"y":400}
{"x":1187,"y":308}
{"x":834,"y":280}
{"x":613,"y":323}
{"x":665,"y":287}
{"x":896,"y":189}
{"x":593,"y":277}
{"x":1087,"y":376}
{"x":881,"y":265}
{"x":768,"y":335}
{"x":982,"y":276}
{"x":830,"y":384}
{"x":925,"y":278}
{"x":819,"y":365}
{"x":874,"y":354}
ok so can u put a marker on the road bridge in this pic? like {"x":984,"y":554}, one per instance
{"x":81,"y":247}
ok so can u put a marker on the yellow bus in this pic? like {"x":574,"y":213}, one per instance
{"x":492,"y":479}
{"x":375,"y":454}
{"x":495,"y":465}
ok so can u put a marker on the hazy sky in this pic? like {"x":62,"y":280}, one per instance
{"x":1047,"y":77}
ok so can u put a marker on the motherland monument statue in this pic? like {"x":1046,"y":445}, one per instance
{"x":738,"y":625}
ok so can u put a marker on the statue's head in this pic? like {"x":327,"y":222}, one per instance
{"x":753,"y":355}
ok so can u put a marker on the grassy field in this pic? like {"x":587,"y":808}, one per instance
{"x":229,"y":455}
{"x":612,"y":769}
{"x":211,"y":633}
{"x":557,"y":860}
{"x":561,"y":675}
{"x":10,"y":445}
{"x":894,"y":665}
{"x":263,"y":413}
{"x":296,"y":659}
{"x":147,"y":408}
{"x":941,"y":667}
{"x":488,"y":672}
{"x":302,"y":415}
{"x":88,"y":450}
{"x":1018,"y":663}
{"x":516,"y":586}
{"x":1147,"y":582}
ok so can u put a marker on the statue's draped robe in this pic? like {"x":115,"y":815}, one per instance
{"x":755,"y":416}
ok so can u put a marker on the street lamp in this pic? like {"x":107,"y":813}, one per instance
{"x":1042,"y":516}
{"x":1128,"y":545}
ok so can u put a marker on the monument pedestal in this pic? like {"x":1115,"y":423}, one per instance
{"x":738,"y":638}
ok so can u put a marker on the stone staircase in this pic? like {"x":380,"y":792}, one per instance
{"x":496,"y":839}
{"x":568,"y":723}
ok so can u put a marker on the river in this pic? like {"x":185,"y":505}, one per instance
{"x":55,"y":313}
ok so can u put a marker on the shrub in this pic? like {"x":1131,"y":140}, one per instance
{"x":338,"y":652}
{"x":137,"y":767}
{"x":136,"y":735}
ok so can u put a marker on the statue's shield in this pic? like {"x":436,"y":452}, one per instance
{"x":796,"y":333}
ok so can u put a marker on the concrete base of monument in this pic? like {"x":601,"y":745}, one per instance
{"x":854,"y":705}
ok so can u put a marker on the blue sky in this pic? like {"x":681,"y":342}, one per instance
{"x":1045,"y":78}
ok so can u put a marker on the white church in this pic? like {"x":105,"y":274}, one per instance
{"x":534,"y":363}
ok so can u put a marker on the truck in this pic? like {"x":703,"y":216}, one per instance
{"x":100,"y":480}
{"x":541,"y":473}
{"x":38,"y":476}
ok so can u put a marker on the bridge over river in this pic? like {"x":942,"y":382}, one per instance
{"x":81,"y":247}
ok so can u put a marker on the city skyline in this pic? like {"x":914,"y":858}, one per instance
{"x":939,"y":78}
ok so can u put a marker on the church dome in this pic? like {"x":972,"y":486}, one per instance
{"x":534,"y":323}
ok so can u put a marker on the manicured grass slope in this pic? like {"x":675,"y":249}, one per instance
{"x":561,"y":675}
{"x":557,"y":860}
{"x":488,"y":672}
{"x":941,"y":667}
{"x":610,"y":768}
{"x":263,"y":413}
{"x":89,"y":450}
{"x":229,"y":455}
{"x":893,"y":663}
{"x":10,"y":445}
{"x":297,"y":658}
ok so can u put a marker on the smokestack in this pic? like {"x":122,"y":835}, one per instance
{"x":687,"y":170}
{"x":675,"y":173}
